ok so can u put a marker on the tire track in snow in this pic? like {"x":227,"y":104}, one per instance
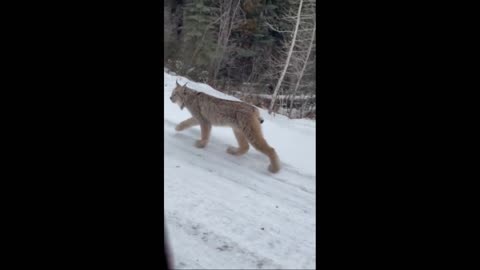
{"x":294,"y":208}
{"x":286,"y":171}
{"x":226,"y":249}
{"x":243,"y":175}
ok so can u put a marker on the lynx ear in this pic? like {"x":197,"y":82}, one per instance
{"x":184,"y":87}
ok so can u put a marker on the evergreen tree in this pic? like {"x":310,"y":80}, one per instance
{"x":198,"y":40}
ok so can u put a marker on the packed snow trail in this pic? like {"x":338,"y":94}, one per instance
{"x":230,"y":212}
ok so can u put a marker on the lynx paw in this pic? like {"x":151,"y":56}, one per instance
{"x":200,"y":144}
{"x":273,"y":169}
{"x":232,"y":150}
{"x":179,"y":127}
{"x":236,"y":151}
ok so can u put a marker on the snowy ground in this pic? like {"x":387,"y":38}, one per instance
{"x":229,"y":212}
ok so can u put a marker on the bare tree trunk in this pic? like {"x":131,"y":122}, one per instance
{"x":304,"y":105}
{"x":304,"y":66}
{"x":224,"y":34}
{"x":287,"y":61}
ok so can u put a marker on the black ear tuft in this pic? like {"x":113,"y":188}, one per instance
{"x":184,"y":88}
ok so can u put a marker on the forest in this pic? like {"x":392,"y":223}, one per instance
{"x":261,"y":51}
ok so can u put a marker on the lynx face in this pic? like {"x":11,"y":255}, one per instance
{"x":178,"y":94}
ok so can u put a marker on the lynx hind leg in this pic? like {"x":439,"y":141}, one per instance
{"x":254,"y":135}
{"x":242,"y":144}
{"x":190,"y":122}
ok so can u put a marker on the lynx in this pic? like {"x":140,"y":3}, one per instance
{"x":208,"y":111}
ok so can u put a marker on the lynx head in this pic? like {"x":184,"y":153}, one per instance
{"x":178,"y":95}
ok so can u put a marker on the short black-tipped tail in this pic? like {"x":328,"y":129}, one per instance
{"x":261,"y":120}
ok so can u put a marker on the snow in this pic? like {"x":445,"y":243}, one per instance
{"x":302,"y":97}
{"x":230,"y":212}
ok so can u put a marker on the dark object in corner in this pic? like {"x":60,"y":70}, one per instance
{"x":166,"y":260}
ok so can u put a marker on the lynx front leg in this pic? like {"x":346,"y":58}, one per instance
{"x":205,"y":130}
{"x":190,"y":122}
{"x":242,"y":144}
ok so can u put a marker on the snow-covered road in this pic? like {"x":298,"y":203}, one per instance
{"x":229,"y":212}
